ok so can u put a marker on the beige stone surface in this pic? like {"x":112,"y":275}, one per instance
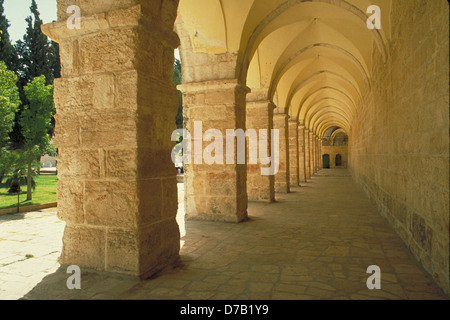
{"x":403,"y":163}
{"x":301,"y":154}
{"x":259,"y":116}
{"x":295,"y":249}
{"x":112,"y":149}
{"x":282,"y":178}
{"x":294,"y":172}
{"x":216,"y":191}
{"x":332,"y":152}
{"x":307,"y":154}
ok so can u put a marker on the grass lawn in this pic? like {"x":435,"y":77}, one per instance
{"x":45,"y":192}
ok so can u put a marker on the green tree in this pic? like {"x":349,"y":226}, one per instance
{"x":35,"y":122}
{"x":9,"y":102}
{"x":56,"y":64}
{"x":37,"y":56}
{"x":17,"y":174}
{"x":177,"y":80}
{"x":7,"y":51}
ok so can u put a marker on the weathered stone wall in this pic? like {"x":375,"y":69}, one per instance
{"x":203,"y":66}
{"x":332,"y":151}
{"x":399,"y":143}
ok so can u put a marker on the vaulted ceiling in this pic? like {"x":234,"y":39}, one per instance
{"x":312,"y":57}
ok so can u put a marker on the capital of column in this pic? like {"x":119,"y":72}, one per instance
{"x":258,"y":95}
{"x":213,"y":85}
{"x":97,"y":22}
{"x":261,"y":103}
{"x":281,"y":116}
{"x":58,"y":31}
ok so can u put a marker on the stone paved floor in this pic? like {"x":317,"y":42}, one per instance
{"x":314,"y":243}
{"x":30,"y":244}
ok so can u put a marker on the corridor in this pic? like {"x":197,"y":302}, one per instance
{"x":313,"y":243}
{"x":349,"y":79}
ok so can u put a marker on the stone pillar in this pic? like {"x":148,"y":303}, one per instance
{"x":260,"y":116}
{"x":316,"y":154}
{"x":311,"y":152}
{"x":319,"y":155}
{"x":280,"y":122}
{"x":307,"y":155}
{"x":301,"y":153}
{"x":115,"y":108}
{"x":218,"y":190}
{"x":293,"y":154}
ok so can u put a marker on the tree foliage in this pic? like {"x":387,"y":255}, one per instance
{"x":37,"y":115}
{"x":17,"y":172}
{"x":26,"y":98}
{"x":37,"y":56}
{"x":35,"y":122}
{"x":177,"y":80}
{"x":177,"y":72}
{"x":9,"y":102}
{"x":7,"y":51}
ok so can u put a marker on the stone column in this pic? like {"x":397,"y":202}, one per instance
{"x":293,"y":154}
{"x":115,"y":108}
{"x":260,"y":116}
{"x":319,"y":156}
{"x":311,"y":152}
{"x":307,"y":155}
{"x":217,"y":190}
{"x":316,"y":153}
{"x":301,"y":153}
{"x":280,"y":122}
